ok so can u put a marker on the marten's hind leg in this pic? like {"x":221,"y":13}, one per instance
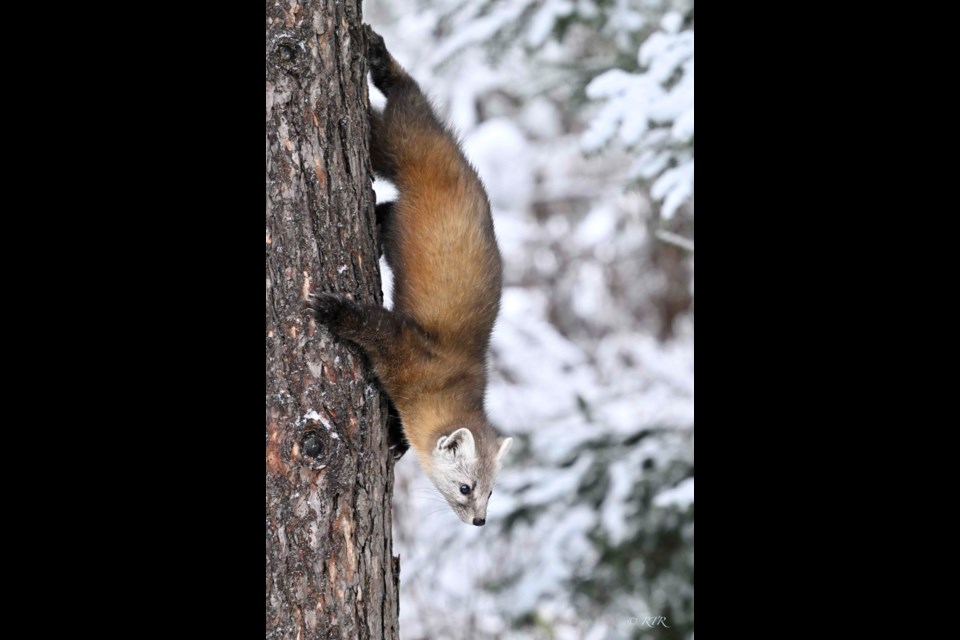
{"x":408,"y":110}
{"x":384,"y":216}
{"x":387,"y":74}
{"x":384,"y":163}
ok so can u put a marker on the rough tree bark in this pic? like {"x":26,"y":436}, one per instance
{"x":330,"y":572}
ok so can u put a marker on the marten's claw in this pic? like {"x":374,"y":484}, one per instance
{"x":325,"y":307}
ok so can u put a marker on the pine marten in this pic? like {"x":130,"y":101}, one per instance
{"x":430,"y":351}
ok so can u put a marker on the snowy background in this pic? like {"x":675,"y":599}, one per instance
{"x":578,"y":115}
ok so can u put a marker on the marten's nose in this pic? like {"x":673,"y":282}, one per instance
{"x":479,"y":521}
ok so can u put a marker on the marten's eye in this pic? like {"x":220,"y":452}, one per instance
{"x":465,"y":489}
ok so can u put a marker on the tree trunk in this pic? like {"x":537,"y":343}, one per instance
{"x":329,"y":475}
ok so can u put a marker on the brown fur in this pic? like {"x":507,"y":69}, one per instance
{"x":438,"y":238}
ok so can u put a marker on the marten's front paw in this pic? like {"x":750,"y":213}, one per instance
{"x":326,"y":307}
{"x":396,"y":439}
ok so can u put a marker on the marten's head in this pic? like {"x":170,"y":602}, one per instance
{"x":463,"y":468}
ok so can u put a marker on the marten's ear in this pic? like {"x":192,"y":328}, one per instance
{"x":504,"y":447}
{"x":458,"y":444}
